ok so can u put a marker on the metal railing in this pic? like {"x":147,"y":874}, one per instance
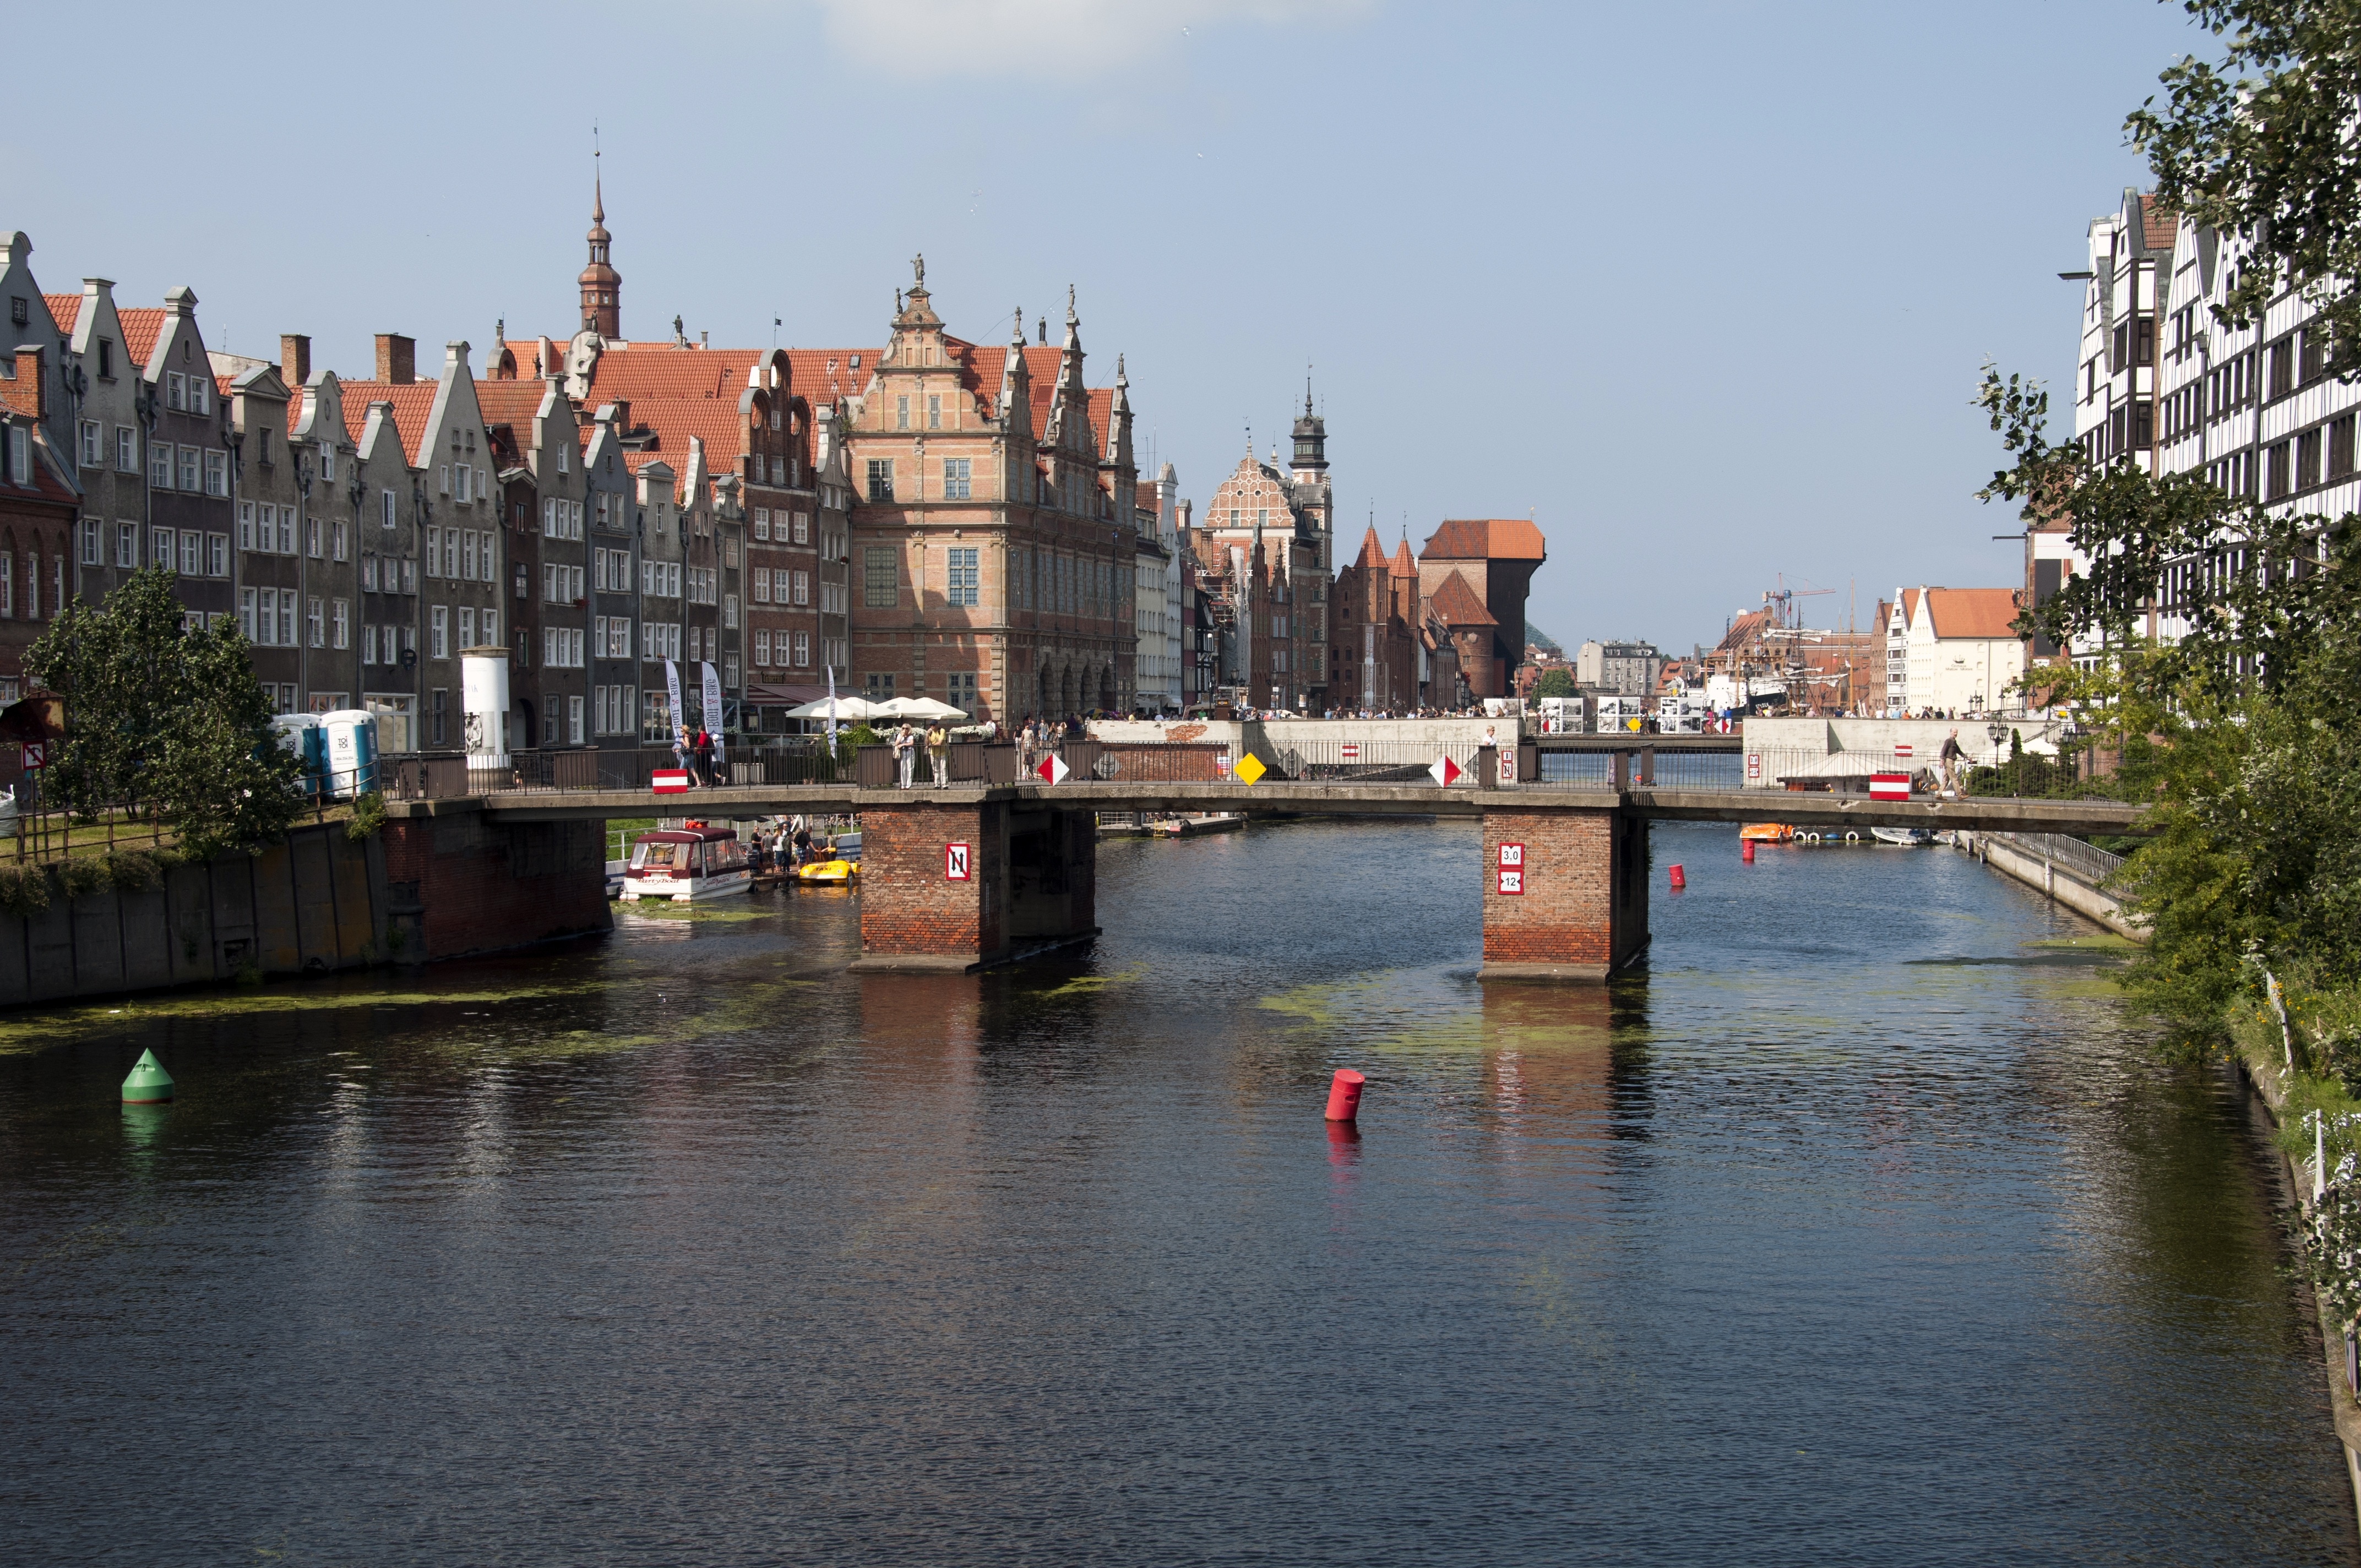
{"x":1771,"y":774}
{"x":2084,"y":863}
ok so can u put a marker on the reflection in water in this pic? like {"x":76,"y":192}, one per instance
{"x":1855,"y":1228}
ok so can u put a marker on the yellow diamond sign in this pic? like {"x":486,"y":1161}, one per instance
{"x":1250,"y":768}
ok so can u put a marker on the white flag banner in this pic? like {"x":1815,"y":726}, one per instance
{"x":672,"y":689}
{"x":712,"y":696}
{"x":831,"y":710}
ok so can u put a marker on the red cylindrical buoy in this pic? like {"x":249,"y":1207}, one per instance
{"x":1746,"y":850}
{"x":1680,"y":878}
{"x":1345,"y":1095}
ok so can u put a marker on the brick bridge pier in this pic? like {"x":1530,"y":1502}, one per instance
{"x":974,"y":875}
{"x":955,"y":886}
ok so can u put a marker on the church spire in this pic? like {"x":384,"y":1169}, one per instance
{"x":602,"y":284}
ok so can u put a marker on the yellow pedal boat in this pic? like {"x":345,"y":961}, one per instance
{"x":829,"y":873}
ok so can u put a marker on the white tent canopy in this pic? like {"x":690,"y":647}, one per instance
{"x":917,"y":708}
{"x":847,"y":708}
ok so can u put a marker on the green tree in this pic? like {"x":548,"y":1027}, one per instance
{"x":2257,"y":146}
{"x":2242,"y":736}
{"x":1555,"y":682}
{"x":164,"y":721}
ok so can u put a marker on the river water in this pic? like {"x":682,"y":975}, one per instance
{"x":1860,"y":1229}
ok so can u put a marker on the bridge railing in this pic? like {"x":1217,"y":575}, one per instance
{"x":2087,"y":862}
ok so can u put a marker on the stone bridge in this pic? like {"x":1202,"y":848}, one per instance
{"x":976,"y":875}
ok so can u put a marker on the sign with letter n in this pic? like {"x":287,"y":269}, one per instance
{"x":956,"y":862}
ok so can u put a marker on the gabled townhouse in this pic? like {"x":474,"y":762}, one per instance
{"x":992,"y":532}
{"x":453,"y":504}
{"x":38,"y":506}
{"x":268,"y":474}
{"x":384,"y":425}
{"x":614,"y":672}
{"x":31,"y":321}
{"x":662,"y":601}
{"x":109,"y":396}
{"x":535,"y":442}
{"x":188,"y":437}
{"x":1959,"y":651}
{"x":1156,"y":667}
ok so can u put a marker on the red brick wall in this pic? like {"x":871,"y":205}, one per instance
{"x":1580,"y":908}
{"x":907,"y":905}
{"x":478,"y":886}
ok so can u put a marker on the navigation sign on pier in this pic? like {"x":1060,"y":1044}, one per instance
{"x":1889,"y":786}
{"x":1053,"y":769}
{"x":955,"y":862}
{"x":1447,"y":771}
{"x":1352,"y":752}
{"x":668,"y":782}
{"x":1250,"y":768}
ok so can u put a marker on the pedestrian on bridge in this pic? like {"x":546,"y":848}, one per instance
{"x":906,"y":754}
{"x":939,"y":754}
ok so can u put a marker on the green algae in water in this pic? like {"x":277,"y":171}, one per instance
{"x":76,"y":1024}
{"x":748,"y":1007}
{"x":700,"y":913}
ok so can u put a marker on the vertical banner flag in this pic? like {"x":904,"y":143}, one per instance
{"x":672,"y":689}
{"x":831,"y":710}
{"x":712,"y":696}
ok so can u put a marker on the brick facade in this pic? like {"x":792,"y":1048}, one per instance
{"x":912,"y":915}
{"x":1583,"y":913}
{"x":1032,"y":884}
{"x":461,"y":884}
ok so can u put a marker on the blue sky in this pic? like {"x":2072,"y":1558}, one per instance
{"x":1706,"y":289}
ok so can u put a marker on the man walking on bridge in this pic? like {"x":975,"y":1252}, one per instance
{"x":1950,"y":759}
{"x":905,"y":757}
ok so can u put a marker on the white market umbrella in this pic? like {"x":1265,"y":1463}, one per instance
{"x":847,"y":707}
{"x":917,"y":707}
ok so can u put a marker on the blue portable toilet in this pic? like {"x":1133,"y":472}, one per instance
{"x":351,"y":751}
{"x":301,"y":733}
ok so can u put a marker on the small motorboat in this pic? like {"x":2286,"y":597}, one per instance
{"x":836,"y":865}
{"x":686,"y":863}
{"x":1767,"y":832}
{"x":1908,"y":838}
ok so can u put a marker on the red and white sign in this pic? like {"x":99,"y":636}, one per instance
{"x":1352,"y":752}
{"x":1512,"y":855}
{"x":1754,"y":764}
{"x":1508,"y":765}
{"x":668,"y":782}
{"x":955,"y":862}
{"x":1889,"y":786}
{"x":1512,"y":883}
{"x":1902,"y":750}
{"x":37,"y":753}
{"x":1053,"y":769}
{"x":1447,"y":771}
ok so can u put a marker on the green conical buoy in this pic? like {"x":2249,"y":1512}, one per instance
{"x":148,"y":1084}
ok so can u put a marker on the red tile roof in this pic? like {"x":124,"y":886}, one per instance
{"x":1486,"y":538}
{"x":412,"y":402}
{"x":1402,"y":565}
{"x":64,"y":309}
{"x":675,"y":420}
{"x":2157,"y":223}
{"x":1989,"y":613}
{"x":823,"y":374}
{"x":512,"y":403}
{"x":660,"y":370}
{"x":1373,"y":554}
{"x":141,"y":327}
{"x":1457,"y":603}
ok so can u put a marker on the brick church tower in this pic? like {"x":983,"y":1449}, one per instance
{"x":602,"y":284}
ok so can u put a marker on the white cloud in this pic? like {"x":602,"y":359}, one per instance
{"x":1045,"y":37}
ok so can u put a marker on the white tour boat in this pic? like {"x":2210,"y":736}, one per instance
{"x":686,"y":863}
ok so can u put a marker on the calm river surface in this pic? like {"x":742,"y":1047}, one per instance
{"x":1859,"y":1230}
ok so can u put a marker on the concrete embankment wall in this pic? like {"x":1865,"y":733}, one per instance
{"x":1878,"y":737}
{"x":2059,"y":883}
{"x":312,"y":903}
